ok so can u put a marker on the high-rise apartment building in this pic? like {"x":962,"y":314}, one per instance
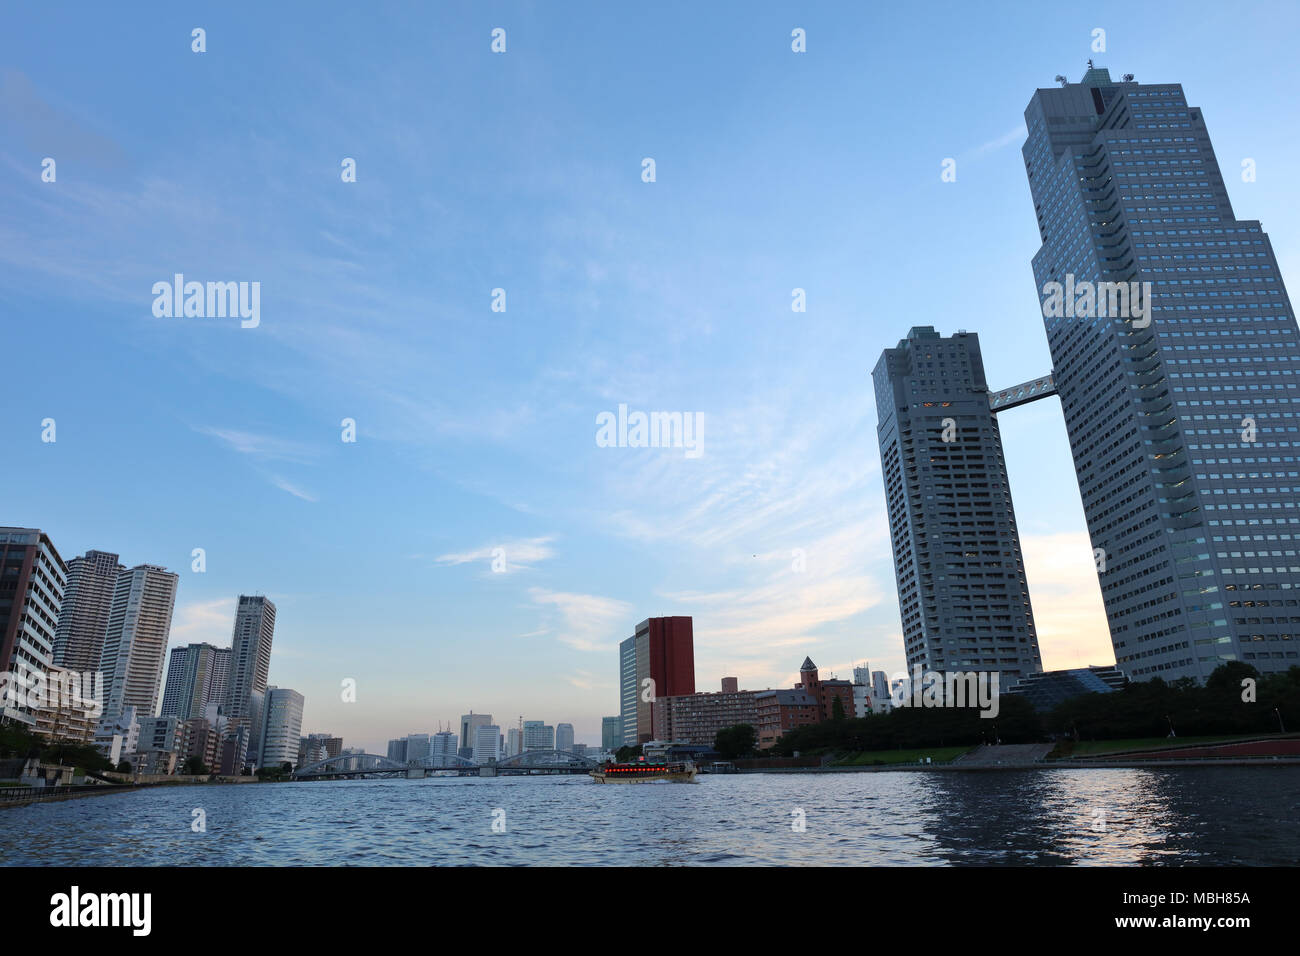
{"x":32,"y":581}
{"x":197,"y":675}
{"x":1182,"y":420}
{"x":135,"y":641}
{"x":250,"y":658}
{"x":658,"y":660}
{"x":83,"y":619}
{"x":961,"y":581}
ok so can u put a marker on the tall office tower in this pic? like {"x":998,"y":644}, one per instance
{"x":32,"y":581}
{"x":83,"y":619}
{"x":417,"y":748}
{"x":961,"y":579}
{"x":611,"y":733}
{"x":197,"y":674}
{"x":469,"y":723}
{"x":487,"y":743}
{"x":862,"y":675}
{"x":656,"y":661}
{"x":538,"y":735}
{"x":397,"y":750}
{"x":280,"y":729}
{"x":135,"y":641}
{"x":250,"y":655}
{"x":564,"y":737}
{"x":442,"y":748}
{"x":1179,"y":420}
{"x":514,"y":741}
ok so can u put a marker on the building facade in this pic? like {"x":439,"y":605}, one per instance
{"x":962,"y":592}
{"x":695,"y":719}
{"x":281,"y":727}
{"x":1181,"y":421}
{"x":780,"y":711}
{"x":32,"y":581}
{"x":250,"y":656}
{"x":139,"y":624}
{"x":197,"y":675}
{"x":564,"y":737}
{"x":83,"y":619}
{"x":658,"y":660}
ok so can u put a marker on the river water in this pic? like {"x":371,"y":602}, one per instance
{"x":1184,"y":816}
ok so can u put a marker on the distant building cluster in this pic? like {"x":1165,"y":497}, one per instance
{"x":480,"y":741}
{"x":82,"y":647}
{"x":659,"y":703}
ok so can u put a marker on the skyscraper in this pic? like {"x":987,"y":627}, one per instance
{"x":250,"y":657}
{"x":469,"y":723}
{"x":281,"y":727}
{"x":611,"y":733}
{"x":32,"y":581}
{"x":442,"y":748}
{"x":658,"y":660}
{"x":564,"y":737}
{"x":135,"y":640}
{"x":83,"y":619}
{"x":197,"y":675}
{"x":487,"y":743}
{"x":1180,"y":420}
{"x":538,"y":735}
{"x":961,"y":581}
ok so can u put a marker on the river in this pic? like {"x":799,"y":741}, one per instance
{"x":1183,"y":816}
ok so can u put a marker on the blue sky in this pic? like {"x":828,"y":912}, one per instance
{"x":476,"y":429}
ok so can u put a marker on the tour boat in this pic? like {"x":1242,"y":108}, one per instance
{"x":644,"y":771}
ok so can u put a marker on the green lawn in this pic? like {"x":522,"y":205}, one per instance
{"x":870,"y":757}
{"x":1091,"y":748}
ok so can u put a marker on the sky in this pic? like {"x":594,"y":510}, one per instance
{"x":476,"y":429}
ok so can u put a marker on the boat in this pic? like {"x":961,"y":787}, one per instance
{"x":643,"y":771}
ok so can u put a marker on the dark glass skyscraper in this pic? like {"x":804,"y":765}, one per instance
{"x":1181,"y":422}
{"x":961,"y":578}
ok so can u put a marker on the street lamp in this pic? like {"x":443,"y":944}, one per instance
{"x":1171,"y":725}
{"x":1281,"y":726}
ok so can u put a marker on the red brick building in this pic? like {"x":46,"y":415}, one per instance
{"x":825,"y":691}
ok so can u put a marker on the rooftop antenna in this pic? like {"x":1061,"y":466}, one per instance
{"x":1090,"y":64}
{"x":1128,"y":77}
{"x":1062,"y":80}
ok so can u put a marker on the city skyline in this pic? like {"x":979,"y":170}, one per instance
{"x":617,"y":303}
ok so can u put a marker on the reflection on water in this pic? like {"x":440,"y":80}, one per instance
{"x":1191,"y":816}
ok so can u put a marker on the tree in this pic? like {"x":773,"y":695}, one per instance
{"x":625,"y":753}
{"x":124,"y":767}
{"x":837,"y":708}
{"x":195,"y":766}
{"x":737,"y":741}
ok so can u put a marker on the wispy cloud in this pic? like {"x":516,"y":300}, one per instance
{"x":293,"y":489}
{"x":515,"y":555}
{"x":203,"y":621}
{"x":262,"y":447}
{"x":588,"y":622}
{"x":1016,"y":134}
